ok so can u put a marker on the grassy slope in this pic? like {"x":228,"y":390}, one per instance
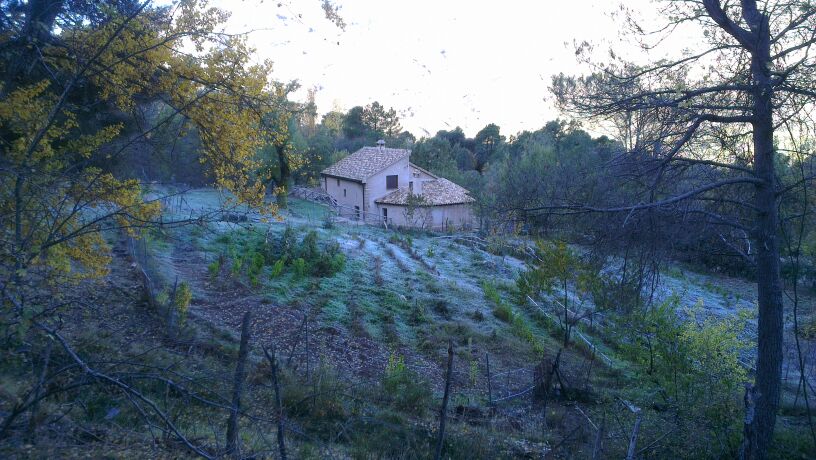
{"x":428,"y":290}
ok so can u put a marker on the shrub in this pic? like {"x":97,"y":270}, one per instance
{"x":807,"y":328}
{"x":329,"y":262}
{"x":328,"y":223}
{"x":407,"y":391}
{"x":299,"y":265}
{"x":308,"y":247}
{"x":236,"y":266}
{"x":503,"y":312}
{"x":491,"y":293}
{"x":181,"y":301}
{"x":522,"y":330}
{"x":288,"y":243}
{"x":417,"y":314}
{"x":257,"y":263}
{"x":277,"y":268}
{"x":214,"y":268}
{"x":694,"y":361}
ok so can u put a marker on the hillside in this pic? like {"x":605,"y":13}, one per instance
{"x":361,"y":328}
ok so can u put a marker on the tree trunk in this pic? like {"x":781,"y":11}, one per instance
{"x":769,"y":282}
{"x":285,"y":177}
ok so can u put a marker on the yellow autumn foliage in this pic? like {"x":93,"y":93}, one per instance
{"x":57,"y":196}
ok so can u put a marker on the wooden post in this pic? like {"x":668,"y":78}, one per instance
{"x":630,"y":454}
{"x":278,"y":404}
{"x":597,"y":450}
{"x":489,"y":383}
{"x":543,"y":391}
{"x":308,"y":356}
{"x":237,"y":387}
{"x":444,"y":411}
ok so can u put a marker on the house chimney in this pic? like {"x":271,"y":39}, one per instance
{"x":380,"y":143}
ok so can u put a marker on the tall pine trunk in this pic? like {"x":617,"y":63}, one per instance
{"x":769,"y":282}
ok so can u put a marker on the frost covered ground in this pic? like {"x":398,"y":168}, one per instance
{"x":439,"y":274}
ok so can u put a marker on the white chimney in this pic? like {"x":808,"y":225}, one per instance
{"x":380,"y":143}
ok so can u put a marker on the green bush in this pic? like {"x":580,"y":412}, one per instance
{"x":406,"y":390}
{"x":299,"y":265}
{"x":491,"y":293}
{"x":214,"y":268}
{"x":181,"y":301}
{"x":257,"y":263}
{"x":522,"y":330}
{"x":694,"y":361}
{"x":308,"y":247}
{"x":277,"y":268}
{"x":503,"y":312}
{"x":237,"y":263}
{"x":287,"y":246}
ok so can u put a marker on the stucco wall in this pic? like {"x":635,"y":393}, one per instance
{"x":454,"y":216}
{"x":418,"y":177}
{"x":457,"y":215}
{"x":375,"y":185}
{"x":353,"y":196}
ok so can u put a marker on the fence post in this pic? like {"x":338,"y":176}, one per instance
{"x":543,"y":391}
{"x":444,"y":411}
{"x":597,"y":450}
{"x":308,"y":356}
{"x":237,"y":387}
{"x":630,"y":454}
{"x":489,"y":383}
{"x":278,"y":404}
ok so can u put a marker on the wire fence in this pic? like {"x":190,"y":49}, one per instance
{"x":479,"y":393}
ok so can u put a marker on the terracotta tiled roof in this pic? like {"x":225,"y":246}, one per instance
{"x":365,"y":162}
{"x":436,"y":192}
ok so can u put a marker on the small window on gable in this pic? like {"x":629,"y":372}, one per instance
{"x":338,"y":182}
{"x":411,"y":186}
{"x":391,"y":182}
{"x":344,"y":192}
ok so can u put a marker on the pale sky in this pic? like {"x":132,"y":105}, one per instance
{"x":439,"y":63}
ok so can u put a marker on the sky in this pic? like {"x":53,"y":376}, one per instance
{"x":439,"y":63}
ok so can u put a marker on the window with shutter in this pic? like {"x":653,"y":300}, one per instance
{"x":391,"y":182}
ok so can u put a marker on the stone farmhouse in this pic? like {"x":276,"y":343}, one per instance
{"x":380,"y":184}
